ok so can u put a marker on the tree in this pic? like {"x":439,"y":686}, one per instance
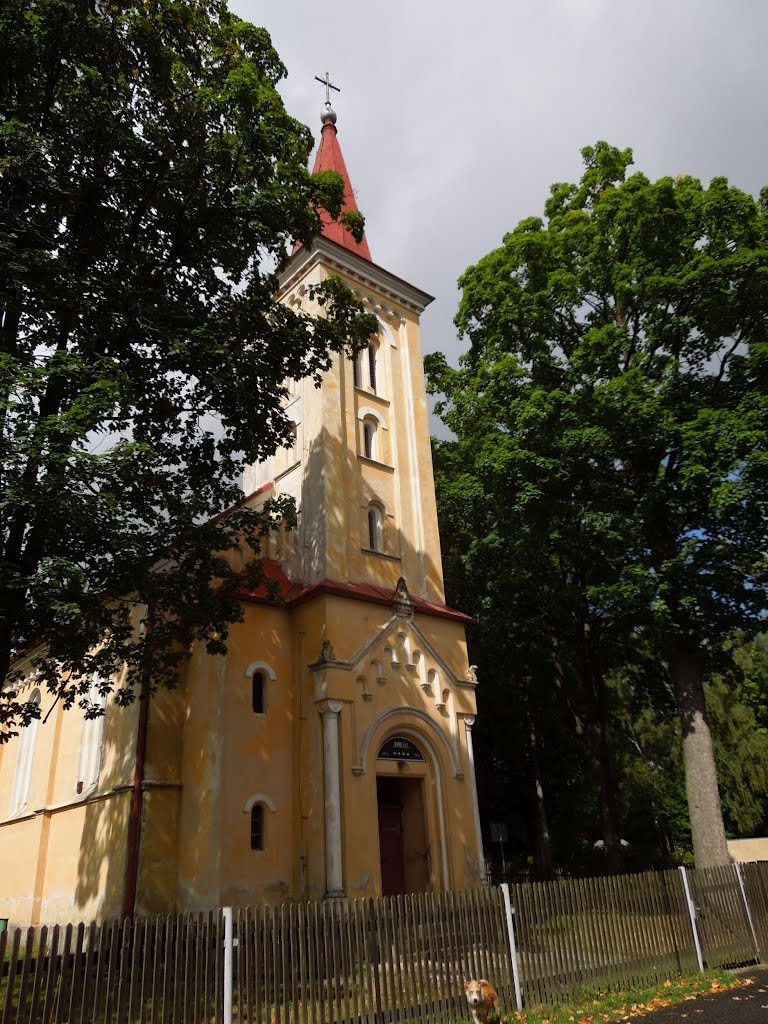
{"x":520,"y":561}
{"x":651,"y":768}
{"x":152,"y":184}
{"x":620,"y":346}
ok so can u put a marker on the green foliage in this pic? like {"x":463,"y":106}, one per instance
{"x":607,"y":491}
{"x":152,"y":184}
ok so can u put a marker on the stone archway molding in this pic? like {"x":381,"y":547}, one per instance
{"x":259,"y":798}
{"x":424,"y":721}
{"x":261,"y":666}
{"x":418,"y":735}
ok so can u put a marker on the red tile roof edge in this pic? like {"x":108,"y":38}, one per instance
{"x":295,"y":594}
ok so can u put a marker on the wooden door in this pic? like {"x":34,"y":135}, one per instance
{"x":391,"y":844}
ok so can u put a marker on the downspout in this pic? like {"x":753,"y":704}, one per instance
{"x":134,"y":819}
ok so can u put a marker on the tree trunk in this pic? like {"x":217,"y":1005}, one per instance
{"x":595,"y":695}
{"x":543,"y":867}
{"x":707,"y":829}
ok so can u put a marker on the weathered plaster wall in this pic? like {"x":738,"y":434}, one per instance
{"x":63,"y":853}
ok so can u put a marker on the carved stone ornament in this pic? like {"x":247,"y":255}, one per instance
{"x":402,"y":604}
{"x":327,"y":651}
{"x":471,"y":674}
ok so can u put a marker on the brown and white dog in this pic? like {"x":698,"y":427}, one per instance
{"x":482,"y":999}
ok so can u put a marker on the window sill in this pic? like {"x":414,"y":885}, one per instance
{"x":372,"y":394}
{"x":381,"y":554}
{"x":375,"y":462}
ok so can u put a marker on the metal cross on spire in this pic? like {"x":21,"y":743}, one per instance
{"x":328,"y":86}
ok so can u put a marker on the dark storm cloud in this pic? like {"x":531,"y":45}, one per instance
{"x":455,"y":117}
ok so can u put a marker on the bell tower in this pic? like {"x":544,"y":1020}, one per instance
{"x":371,"y":664}
{"x":360,"y":468}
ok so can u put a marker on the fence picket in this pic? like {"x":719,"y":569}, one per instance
{"x":421,"y":939}
{"x":121,"y":980}
{"x":37,"y":973}
{"x":383,"y":960}
{"x":495,"y":919}
{"x":134,"y":1012}
{"x":110,"y":982}
{"x":11,"y":978}
{"x":24,"y":977}
{"x":312,"y":961}
{"x":258,"y":966}
{"x":50,"y":979}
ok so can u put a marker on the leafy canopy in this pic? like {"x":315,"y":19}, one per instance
{"x":606,"y":493}
{"x":617,"y":370}
{"x":152,"y":184}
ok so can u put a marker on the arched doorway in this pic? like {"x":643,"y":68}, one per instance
{"x":404,"y":846}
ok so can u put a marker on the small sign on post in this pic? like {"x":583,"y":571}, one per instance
{"x":500,"y":835}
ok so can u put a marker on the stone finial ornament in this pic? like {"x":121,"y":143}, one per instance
{"x":471,"y":674}
{"x":402,"y":604}
{"x":327,"y":650}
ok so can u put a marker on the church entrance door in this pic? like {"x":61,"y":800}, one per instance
{"x":403,"y":846}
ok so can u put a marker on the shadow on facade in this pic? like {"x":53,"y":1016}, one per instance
{"x":331,"y":541}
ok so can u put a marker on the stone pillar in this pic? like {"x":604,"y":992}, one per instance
{"x":331,"y":776}
{"x":469,"y":721}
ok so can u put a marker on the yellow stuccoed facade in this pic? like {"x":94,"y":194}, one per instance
{"x":356,"y":754}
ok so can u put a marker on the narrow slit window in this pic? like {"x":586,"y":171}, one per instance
{"x":369,"y":439}
{"x":374,"y":528}
{"x":257,"y":827}
{"x":257,"y":693}
{"x":356,"y":370}
{"x":372,"y":365}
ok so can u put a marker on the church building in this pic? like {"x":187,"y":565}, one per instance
{"x":329,"y":753}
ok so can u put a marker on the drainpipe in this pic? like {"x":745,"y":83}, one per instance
{"x":134,"y":819}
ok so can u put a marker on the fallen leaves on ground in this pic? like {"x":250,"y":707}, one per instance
{"x":623,"y":1013}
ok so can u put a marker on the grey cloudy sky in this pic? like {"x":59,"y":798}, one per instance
{"x":455,"y":117}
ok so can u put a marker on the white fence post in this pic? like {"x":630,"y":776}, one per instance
{"x":228,"y":946}
{"x":512,"y":945}
{"x":692,"y":915}
{"x":737,"y":869}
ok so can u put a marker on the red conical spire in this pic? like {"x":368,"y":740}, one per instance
{"x":329,"y":158}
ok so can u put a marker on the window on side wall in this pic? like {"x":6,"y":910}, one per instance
{"x":26,"y":754}
{"x":369,"y":438}
{"x":365,"y":368}
{"x":257,"y":827}
{"x":373,"y":349}
{"x":375,"y":528}
{"x":257,"y":693}
{"x":91,"y":739}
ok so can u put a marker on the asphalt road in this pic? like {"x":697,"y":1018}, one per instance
{"x":748,"y":1005}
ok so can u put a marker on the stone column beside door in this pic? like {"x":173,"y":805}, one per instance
{"x":330,"y":710}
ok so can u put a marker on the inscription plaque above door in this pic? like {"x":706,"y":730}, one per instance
{"x":400,"y":748}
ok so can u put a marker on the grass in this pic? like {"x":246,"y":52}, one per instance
{"x":604,"y":1007}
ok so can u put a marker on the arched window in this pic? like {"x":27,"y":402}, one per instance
{"x":23,"y":774}
{"x":91,"y":738}
{"x":365,"y":369}
{"x":257,"y":692}
{"x":257,"y":827}
{"x":369,"y":438}
{"x":375,"y":528}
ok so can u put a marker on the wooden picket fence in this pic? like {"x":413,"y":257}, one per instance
{"x":386,"y":961}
